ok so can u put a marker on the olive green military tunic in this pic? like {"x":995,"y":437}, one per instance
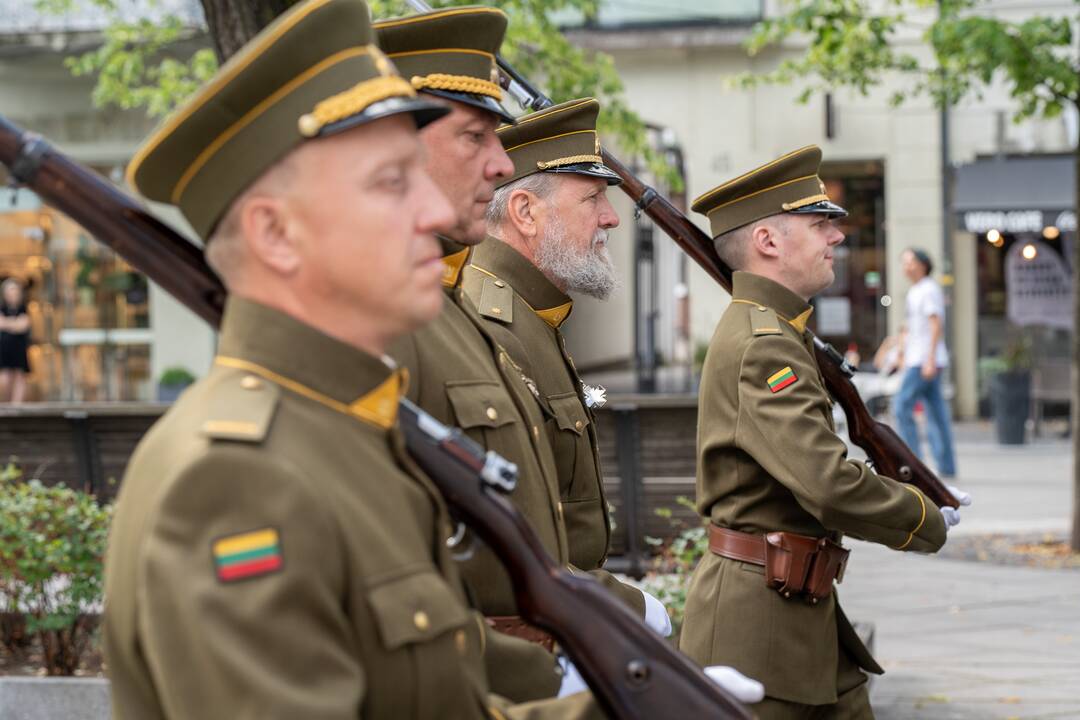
{"x":275,"y":554}
{"x":769,"y":460}
{"x":524,"y":311}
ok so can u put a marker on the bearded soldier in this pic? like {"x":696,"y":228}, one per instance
{"x":548,"y":225}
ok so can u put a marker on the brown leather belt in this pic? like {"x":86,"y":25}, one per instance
{"x":516,"y":626}
{"x":794,"y":564}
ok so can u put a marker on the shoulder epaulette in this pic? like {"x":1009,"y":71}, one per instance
{"x":240,"y":407}
{"x":496,"y":300}
{"x":764,"y":321}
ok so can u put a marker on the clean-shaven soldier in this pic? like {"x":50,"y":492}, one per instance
{"x":458,"y":371}
{"x":774,"y":480}
{"x":548,"y":225}
{"x":274,"y":553}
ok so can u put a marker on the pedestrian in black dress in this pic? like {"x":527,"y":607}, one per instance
{"x":14,"y":338}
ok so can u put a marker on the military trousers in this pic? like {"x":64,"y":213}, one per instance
{"x":852,"y":701}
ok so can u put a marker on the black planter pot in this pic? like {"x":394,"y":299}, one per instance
{"x":1010,"y":393}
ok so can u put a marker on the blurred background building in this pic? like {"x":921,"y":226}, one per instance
{"x":102,"y":332}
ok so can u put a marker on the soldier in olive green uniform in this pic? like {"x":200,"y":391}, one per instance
{"x":549,"y":223}
{"x":274,"y":553}
{"x":770,"y":464}
{"x":458,"y":371}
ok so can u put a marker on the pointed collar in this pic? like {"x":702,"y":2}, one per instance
{"x":296,"y":356}
{"x":455,"y":255}
{"x":755,"y":289}
{"x":495,"y":258}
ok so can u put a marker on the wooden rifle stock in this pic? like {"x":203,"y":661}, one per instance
{"x":585,"y":619}
{"x":633,"y":673}
{"x":889,"y":455}
{"x":114,"y":218}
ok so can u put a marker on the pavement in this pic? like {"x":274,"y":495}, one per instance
{"x":974,"y":640}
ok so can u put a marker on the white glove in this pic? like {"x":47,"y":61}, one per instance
{"x":572,"y":682}
{"x":961,"y":497}
{"x":952,"y":515}
{"x":744,"y":689}
{"x":656,"y":615}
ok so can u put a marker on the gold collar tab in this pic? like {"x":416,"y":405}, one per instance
{"x":556,"y":315}
{"x":377,"y":407}
{"x":452,"y":265}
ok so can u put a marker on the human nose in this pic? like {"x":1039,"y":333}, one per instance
{"x":608,"y":217}
{"x":499,"y":165}
{"x":435,"y":214}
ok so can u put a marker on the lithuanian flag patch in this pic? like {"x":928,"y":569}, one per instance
{"x":247,"y":555}
{"x":780,"y":380}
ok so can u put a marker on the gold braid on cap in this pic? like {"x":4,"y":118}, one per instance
{"x":572,"y":160}
{"x":457,"y":83}
{"x":354,"y":100}
{"x":804,"y":202}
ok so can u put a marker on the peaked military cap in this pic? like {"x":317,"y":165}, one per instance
{"x":558,"y":139}
{"x":789,"y":184}
{"x":450,"y":53}
{"x":313,"y":72}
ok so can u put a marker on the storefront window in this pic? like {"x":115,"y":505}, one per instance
{"x":849,"y":314}
{"x":90,"y":337}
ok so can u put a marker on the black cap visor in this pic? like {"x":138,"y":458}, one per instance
{"x":824,"y":207}
{"x":484,"y":102}
{"x":592,"y":169}
{"x":422,"y":111}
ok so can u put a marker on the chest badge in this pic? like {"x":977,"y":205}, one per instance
{"x":781,"y":379}
{"x":595,"y":396}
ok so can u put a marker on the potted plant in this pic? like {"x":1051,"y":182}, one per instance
{"x":172,"y":382}
{"x":1010,"y":392}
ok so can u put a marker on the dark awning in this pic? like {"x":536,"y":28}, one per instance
{"x":1016,"y":193}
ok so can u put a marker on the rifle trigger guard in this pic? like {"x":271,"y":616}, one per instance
{"x":29,"y":159}
{"x":453,"y":543}
{"x":644,"y":201}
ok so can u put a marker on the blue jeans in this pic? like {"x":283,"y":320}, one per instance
{"x":938,"y":426}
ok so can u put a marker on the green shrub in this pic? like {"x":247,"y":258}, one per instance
{"x":52,"y":545}
{"x":669,"y":577}
{"x":176,"y":376}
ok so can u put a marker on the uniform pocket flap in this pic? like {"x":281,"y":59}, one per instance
{"x":480,"y":404}
{"x":415,"y":608}
{"x":569,"y":412}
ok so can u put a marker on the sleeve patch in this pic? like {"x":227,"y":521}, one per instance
{"x":781,"y":379}
{"x":247,"y":555}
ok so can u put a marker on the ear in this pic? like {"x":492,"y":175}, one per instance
{"x":265,"y":227}
{"x":764,"y":239}
{"x":521,"y":210}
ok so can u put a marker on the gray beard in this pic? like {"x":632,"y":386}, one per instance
{"x":582,"y":270}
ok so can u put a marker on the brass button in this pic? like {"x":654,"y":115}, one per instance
{"x":309,"y":125}
{"x":460,"y":641}
{"x":421,"y":620}
{"x":578,"y":425}
{"x":496,"y":311}
{"x":492,"y":414}
{"x":250,"y":382}
{"x":761,"y":308}
{"x":500,"y":283}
